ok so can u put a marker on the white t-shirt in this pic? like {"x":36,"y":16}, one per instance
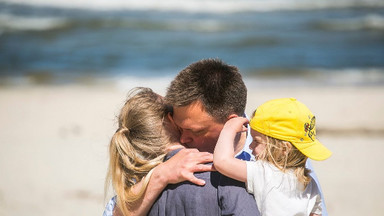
{"x":278,"y":193}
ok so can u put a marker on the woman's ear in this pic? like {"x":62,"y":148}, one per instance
{"x":170,"y":117}
{"x":172,"y":129}
{"x":174,"y":126}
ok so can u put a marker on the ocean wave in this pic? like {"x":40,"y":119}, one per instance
{"x":170,"y":25}
{"x":10,"y":22}
{"x":351,"y":76}
{"x":207,"y":6}
{"x":317,"y":76}
{"x":368,"y":22}
{"x":284,"y":78}
{"x":303,"y":77}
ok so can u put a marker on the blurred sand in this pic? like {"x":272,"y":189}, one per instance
{"x":53,"y":146}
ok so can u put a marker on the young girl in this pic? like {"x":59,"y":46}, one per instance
{"x":284,"y":136}
{"x":144,"y":137}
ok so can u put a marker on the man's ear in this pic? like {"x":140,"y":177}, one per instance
{"x":232,"y":116}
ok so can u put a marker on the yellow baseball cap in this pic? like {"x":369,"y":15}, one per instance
{"x":290,"y":120}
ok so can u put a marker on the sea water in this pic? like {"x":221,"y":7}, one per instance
{"x":274,"y":42}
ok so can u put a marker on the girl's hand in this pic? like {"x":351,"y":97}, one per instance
{"x":236,"y":124}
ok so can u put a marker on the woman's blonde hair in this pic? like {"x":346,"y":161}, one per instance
{"x":286,"y":156}
{"x":138,"y":145}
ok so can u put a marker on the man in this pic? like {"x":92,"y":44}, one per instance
{"x":204,"y":96}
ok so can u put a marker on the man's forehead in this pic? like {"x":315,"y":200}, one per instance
{"x":193,"y":115}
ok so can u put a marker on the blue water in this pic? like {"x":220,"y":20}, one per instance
{"x":71,"y":42}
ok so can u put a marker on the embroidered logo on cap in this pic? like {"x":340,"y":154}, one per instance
{"x":309,"y":128}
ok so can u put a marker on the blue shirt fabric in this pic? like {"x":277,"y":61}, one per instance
{"x":246,"y":153}
{"x":219,"y":196}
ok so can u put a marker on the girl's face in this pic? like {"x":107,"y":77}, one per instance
{"x":258,"y":144}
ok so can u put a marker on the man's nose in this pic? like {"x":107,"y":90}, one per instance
{"x":185,"y":137}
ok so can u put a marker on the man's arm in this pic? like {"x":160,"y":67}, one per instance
{"x":177,"y":169}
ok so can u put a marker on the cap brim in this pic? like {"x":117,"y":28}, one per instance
{"x":314,"y":150}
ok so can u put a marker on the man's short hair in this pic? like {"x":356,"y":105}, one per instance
{"x":217,"y":85}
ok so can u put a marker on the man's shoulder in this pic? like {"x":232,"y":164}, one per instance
{"x":186,"y":198}
{"x":234,"y":198}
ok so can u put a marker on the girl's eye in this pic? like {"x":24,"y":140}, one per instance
{"x":257,"y":140}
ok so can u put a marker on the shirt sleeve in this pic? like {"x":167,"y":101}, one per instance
{"x":256,"y":175}
{"x":317,"y":208}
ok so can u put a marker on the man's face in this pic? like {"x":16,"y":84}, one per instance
{"x":197,"y":128}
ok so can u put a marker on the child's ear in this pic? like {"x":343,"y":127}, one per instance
{"x":287,"y":147}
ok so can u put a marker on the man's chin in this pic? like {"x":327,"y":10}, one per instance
{"x":201,"y":148}
{"x":190,"y":145}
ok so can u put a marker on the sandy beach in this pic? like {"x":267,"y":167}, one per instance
{"x":53,"y":145}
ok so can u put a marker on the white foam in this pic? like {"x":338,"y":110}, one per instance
{"x":370,"y":22}
{"x":322,"y":77}
{"x":213,"y":6}
{"x":313,"y":77}
{"x":352,"y":76}
{"x":18,"y":23}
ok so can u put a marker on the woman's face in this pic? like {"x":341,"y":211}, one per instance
{"x":258,"y":144}
{"x":168,"y":124}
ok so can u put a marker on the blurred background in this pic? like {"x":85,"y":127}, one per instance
{"x":59,"y":41}
{"x":66,"y":67}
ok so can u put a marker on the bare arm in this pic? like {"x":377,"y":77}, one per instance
{"x":223,"y":156}
{"x":313,"y":214}
{"x":177,"y":169}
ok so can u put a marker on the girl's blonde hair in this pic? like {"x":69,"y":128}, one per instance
{"x":138,"y":145}
{"x":286,"y":156}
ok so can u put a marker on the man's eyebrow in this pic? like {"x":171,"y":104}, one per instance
{"x":194,"y":129}
{"x":197,"y":130}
